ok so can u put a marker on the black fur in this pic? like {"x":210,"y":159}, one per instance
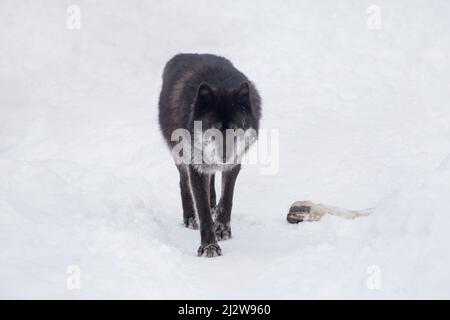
{"x":207,"y":88}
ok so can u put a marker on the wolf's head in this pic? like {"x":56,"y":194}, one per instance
{"x":226,"y":123}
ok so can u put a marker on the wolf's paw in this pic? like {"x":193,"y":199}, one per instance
{"x":191,"y":223}
{"x":209,"y":250}
{"x":222,"y":230}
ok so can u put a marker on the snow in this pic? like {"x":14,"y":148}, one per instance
{"x":363,"y":119}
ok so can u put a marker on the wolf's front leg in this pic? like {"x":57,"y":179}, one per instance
{"x":223,"y":210}
{"x":201,"y":189}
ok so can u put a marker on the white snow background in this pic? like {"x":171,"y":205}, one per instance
{"x":364,"y":121}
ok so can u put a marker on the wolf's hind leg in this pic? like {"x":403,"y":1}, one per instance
{"x":212,"y":193}
{"x":189,"y":217}
{"x":223,"y":210}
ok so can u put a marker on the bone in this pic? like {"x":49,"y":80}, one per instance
{"x":309,"y":211}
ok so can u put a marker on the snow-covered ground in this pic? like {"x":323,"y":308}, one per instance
{"x":89,"y":194}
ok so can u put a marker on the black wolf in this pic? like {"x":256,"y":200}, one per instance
{"x":208,"y":88}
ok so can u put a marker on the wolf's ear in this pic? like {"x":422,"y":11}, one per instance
{"x":204,"y":95}
{"x":242,"y":95}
